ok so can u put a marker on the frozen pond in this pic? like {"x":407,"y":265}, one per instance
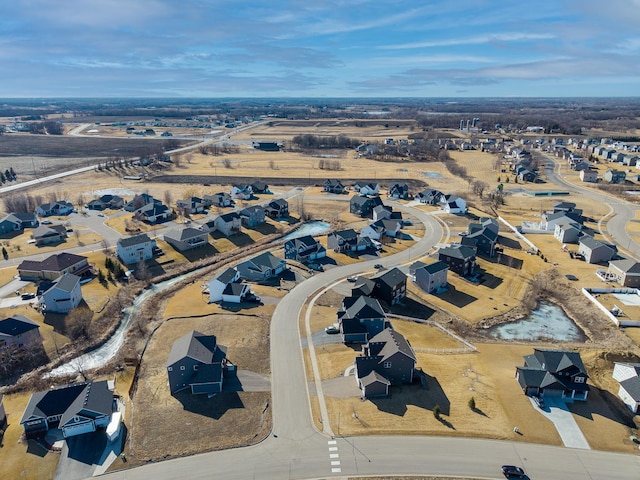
{"x":432,"y":175}
{"x":547,"y":322}
{"x":114,"y":191}
{"x":309,"y":228}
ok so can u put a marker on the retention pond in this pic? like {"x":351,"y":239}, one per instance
{"x":547,"y":322}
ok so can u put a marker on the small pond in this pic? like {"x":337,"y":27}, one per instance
{"x":432,"y":175}
{"x":546,"y":322}
{"x":309,"y":228}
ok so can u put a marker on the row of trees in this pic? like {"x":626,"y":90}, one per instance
{"x":315,"y":142}
{"x":48,"y":127}
{"x":218,"y":149}
{"x":25,"y":202}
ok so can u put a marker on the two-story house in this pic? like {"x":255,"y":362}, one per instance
{"x":135,"y":249}
{"x":363,"y":206}
{"x":278,"y":208}
{"x":304,"y":249}
{"x":252,"y":216}
{"x":62,"y":296}
{"x":20,"y":331}
{"x":460,"y":259}
{"x":53,"y":267}
{"x":429,"y":277}
{"x":360,"y":318}
{"x":391,"y":286}
{"x":228,"y":224}
{"x":191,"y":205}
{"x":183,"y":239}
{"x":333,"y":185}
{"x":262,"y":267}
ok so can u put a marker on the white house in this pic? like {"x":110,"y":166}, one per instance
{"x":242,"y":192}
{"x":135,"y":249}
{"x":219,"y":283}
{"x":54,"y":208}
{"x":367,"y":188}
{"x":627,"y":375}
{"x":453,"y":204}
{"x":63,"y":296}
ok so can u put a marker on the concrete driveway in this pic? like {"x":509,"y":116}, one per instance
{"x":556,"y":410}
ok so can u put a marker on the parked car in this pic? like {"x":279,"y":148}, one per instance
{"x":378,"y":265}
{"x":539,"y":402}
{"x":28,"y":296}
{"x":316,"y":266}
{"x":352,"y":279}
{"x":46,"y":222}
{"x":101,"y":214}
{"x":511,"y":471}
{"x":331,"y":330}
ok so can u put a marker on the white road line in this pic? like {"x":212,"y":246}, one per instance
{"x":333,"y":449}
{"x":334,"y":455}
{"x":336,"y":470}
{"x":332,"y":442}
{"x":335,"y":462}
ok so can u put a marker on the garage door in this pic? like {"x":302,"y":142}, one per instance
{"x":71,"y":430}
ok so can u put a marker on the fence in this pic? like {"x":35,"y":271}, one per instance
{"x":518,"y":234}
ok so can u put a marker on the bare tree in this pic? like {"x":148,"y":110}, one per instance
{"x":479,"y":187}
{"x":168,"y":197}
{"x":142,"y":271}
{"x":77,"y":323}
{"x":226,"y":163}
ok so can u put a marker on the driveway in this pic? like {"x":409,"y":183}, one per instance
{"x":556,"y":410}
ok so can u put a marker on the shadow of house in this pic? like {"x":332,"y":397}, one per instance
{"x":265,"y":228}
{"x":509,"y":261}
{"x":199,"y":253}
{"x":456,"y":297}
{"x":604,"y":404}
{"x":412,"y":308}
{"x":509,"y":243}
{"x":403,"y":396}
{"x":214,"y":407}
{"x":87,"y":448}
{"x":489,"y":280}
{"x":240,"y":239}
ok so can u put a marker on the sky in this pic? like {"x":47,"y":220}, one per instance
{"x":319,"y":48}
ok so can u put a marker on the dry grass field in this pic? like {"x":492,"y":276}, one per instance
{"x":21,"y":458}
{"x":19,"y":246}
{"x":194,"y":424}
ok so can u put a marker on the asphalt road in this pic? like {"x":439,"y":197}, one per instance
{"x":296,"y":450}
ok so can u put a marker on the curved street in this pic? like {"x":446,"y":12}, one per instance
{"x":296,"y":450}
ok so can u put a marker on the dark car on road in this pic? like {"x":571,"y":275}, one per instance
{"x":28,"y":296}
{"x":511,"y":471}
{"x":378,"y":266}
{"x":332,"y":330}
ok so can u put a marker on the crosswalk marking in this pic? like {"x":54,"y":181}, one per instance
{"x":332,"y":442}
{"x":334,"y":455}
{"x":333,"y":449}
{"x":336,"y":470}
{"x":335,"y":462}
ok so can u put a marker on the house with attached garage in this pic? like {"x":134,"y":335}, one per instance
{"x":363,"y":286}
{"x":360,"y":318}
{"x":53,"y":266}
{"x":139,"y":201}
{"x":614,"y":176}
{"x":626,"y":271}
{"x":333,"y":185}
{"x":553,"y":373}
{"x":259,"y":187}
{"x":460,"y":259}
{"x":197,"y":363}
{"x":366,"y":188}
{"x":382,"y":212}
{"x":304,"y":249}
{"x":386,"y":359}
{"x":54,"y":208}
{"x":363,"y":206}
{"x":183,"y":239}
{"x":20,"y":331}
{"x":278,"y":208}
{"x":153,"y":213}
{"x":399,"y":191}
{"x":191,"y":205}
{"x":16,"y":222}
{"x":49,"y":234}
{"x":453,"y":204}
{"x":262,"y":267}
{"x":381,"y":228}
{"x":483,"y":240}
{"x":228,"y":287}
{"x":595,"y":251}
{"x":74,"y":409}
{"x":135,"y":249}
{"x":430,"y":196}
{"x":104,"y":202}
{"x":62,"y":296}
{"x":590,"y":175}
{"x":628,"y":376}
{"x":241,"y":191}
{"x":228,"y":224}
{"x":345,"y":241}
{"x":429,"y":277}
{"x":220,"y":199}
{"x":550,"y":220}
{"x":252,"y":216}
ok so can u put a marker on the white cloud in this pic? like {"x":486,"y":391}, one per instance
{"x":477,"y":40}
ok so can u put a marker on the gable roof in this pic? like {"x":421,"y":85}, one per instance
{"x":555,"y":360}
{"x":393,"y":342}
{"x":458,"y":251}
{"x":391,"y":277}
{"x":55,"y":263}
{"x":16,"y":325}
{"x":632,"y":387}
{"x":66,"y":282}
{"x":185,"y":233}
{"x":135,"y":240}
{"x":364,"y":285}
{"x":627,"y":265}
{"x":431,"y":268}
{"x":195,"y":345}
{"x":229,"y":217}
{"x":227,"y":276}
{"x":373,"y":377}
{"x":591,"y":243}
{"x":364,"y":307}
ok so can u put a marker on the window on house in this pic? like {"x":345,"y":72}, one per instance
{"x":195,"y":368}
{"x":579,"y":379}
{"x":182,"y":367}
{"x":387,"y":364}
{"x":170,"y":369}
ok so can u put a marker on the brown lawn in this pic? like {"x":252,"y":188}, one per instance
{"x":196,"y":423}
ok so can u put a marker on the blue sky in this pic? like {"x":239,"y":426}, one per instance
{"x":319,"y":48}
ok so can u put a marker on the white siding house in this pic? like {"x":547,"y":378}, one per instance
{"x":135,"y":249}
{"x":63,"y":296}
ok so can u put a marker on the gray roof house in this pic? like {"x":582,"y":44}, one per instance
{"x":348,"y":241}
{"x":228,"y":224}
{"x":461,"y":259}
{"x":135,"y":249}
{"x":429,"y":277}
{"x":567,"y":232}
{"x":62,"y":296}
{"x":153,"y":213}
{"x":74,"y":409}
{"x":49,"y":234}
{"x":360,"y":318}
{"x":242,"y":191}
{"x":278,"y":208}
{"x":196,"y":362}
{"x":333,"y":185}
{"x":220,"y":199}
{"x":18,"y":330}
{"x":391,"y":286}
{"x":262,"y":267}
{"x":191,"y":205}
{"x":304,"y":249}
{"x":626,"y":272}
{"x":386,"y":359}
{"x":106,"y":201}
{"x":595,"y":251}
{"x":555,"y":373}
{"x":54,"y":208}
{"x":186,"y":238}
{"x":363,"y":206}
{"x":366,"y":188}
{"x":16,"y":222}
{"x":252,"y":216}
{"x":430,"y":196}
{"x":399,"y":190}
{"x":53,"y":266}
{"x":628,"y":376}
{"x":484,"y":240}
{"x":614,"y":176}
